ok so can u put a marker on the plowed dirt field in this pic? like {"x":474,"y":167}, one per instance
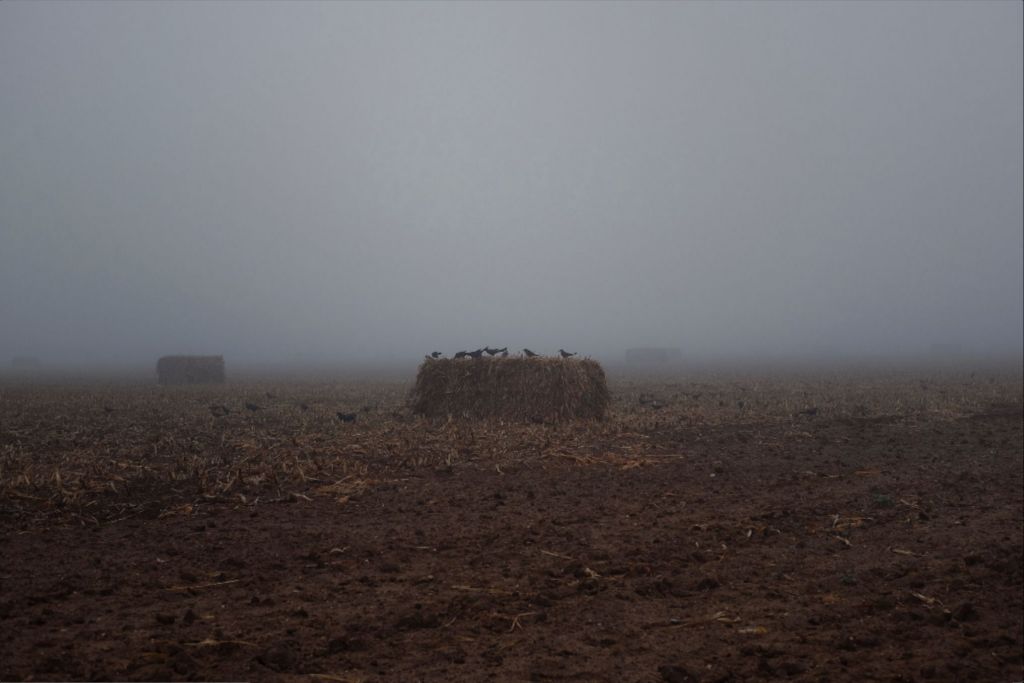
{"x":725,"y":530}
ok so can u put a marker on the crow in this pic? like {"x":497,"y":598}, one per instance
{"x":476,"y":354}
{"x":565,"y":354}
{"x":436,"y":354}
{"x":461,"y":354}
{"x":529,"y":354}
{"x":491,"y":352}
{"x":347,"y":417}
{"x":252,"y":406}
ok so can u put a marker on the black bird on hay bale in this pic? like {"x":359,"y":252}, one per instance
{"x":491,"y":352}
{"x":461,"y":354}
{"x":476,"y":355}
{"x":436,"y":354}
{"x":347,"y":417}
{"x":565,"y":354}
{"x":529,"y":354}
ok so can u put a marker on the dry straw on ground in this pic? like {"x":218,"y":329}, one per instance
{"x":518,"y":389}
{"x":190,"y":370}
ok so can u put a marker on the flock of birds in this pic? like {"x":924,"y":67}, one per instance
{"x":502,"y":352}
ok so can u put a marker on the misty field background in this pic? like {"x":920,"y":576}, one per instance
{"x":790,"y":234}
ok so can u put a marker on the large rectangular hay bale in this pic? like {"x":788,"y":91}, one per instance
{"x":190,"y":370}
{"x":515,"y":389}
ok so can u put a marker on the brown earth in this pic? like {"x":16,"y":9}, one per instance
{"x":662,"y":546}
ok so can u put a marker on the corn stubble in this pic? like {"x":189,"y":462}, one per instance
{"x":91,"y":454}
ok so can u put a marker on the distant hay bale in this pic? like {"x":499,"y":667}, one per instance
{"x":515,"y":389}
{"x":653,"y":356}
{"x":26,"y":363}
{"x":190,"y":370}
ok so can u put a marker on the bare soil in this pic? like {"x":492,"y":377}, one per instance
{"x":670,"y":543}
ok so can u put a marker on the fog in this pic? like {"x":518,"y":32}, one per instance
{"x":354,"y":183}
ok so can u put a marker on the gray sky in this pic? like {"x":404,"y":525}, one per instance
{"x":355,"y":181}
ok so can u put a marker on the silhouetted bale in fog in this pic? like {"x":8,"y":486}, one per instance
{"x":190,"y":370}
{"x":653,"y":356}
{"x":26,"y":364}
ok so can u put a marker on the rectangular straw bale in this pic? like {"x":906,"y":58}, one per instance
{"x":190,"y":370}
{"x":653,"y":356}
{"x":515,"y":389}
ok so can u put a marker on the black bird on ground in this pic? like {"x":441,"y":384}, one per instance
{"x":529,"y":354}
{"x":478,"y":354}
{"x":565,"y":354}
{"x":347,"y":417}
{"x":252,"y":406}
{"x":461,"y":354}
